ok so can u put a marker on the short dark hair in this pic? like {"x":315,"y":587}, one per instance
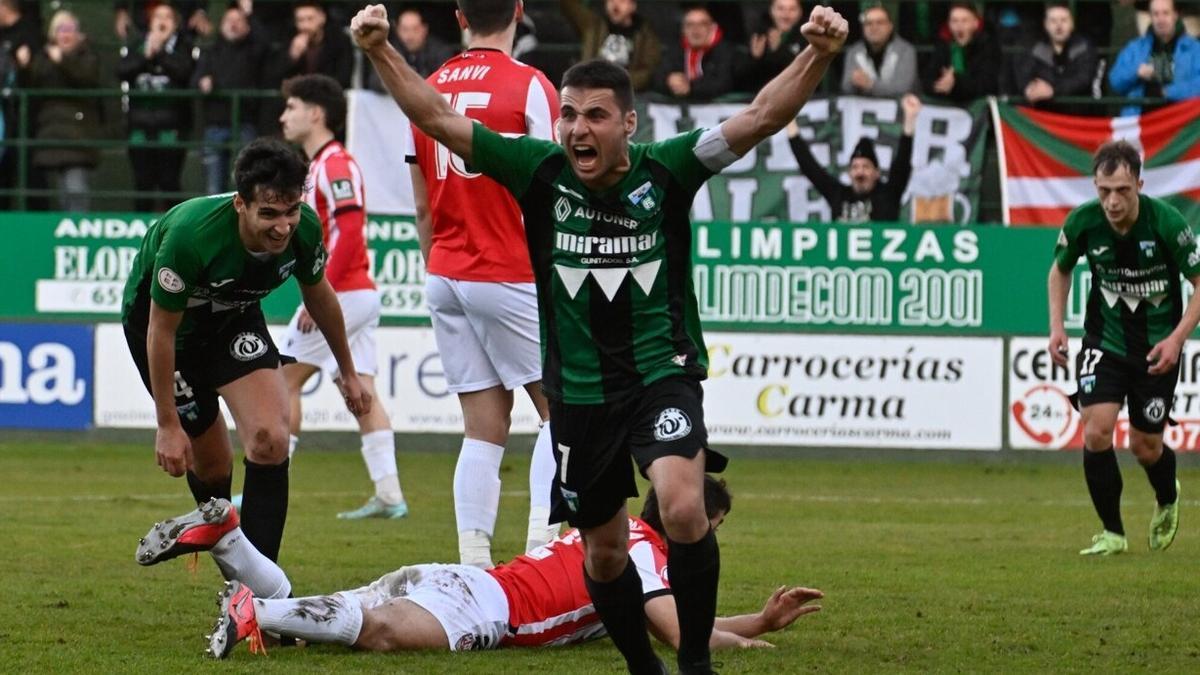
{"x":601,"y":74}
{"x":323,"y":91}
{"x":969,"y":6}
{"x":488,"y":17}
{"x":315,"y":4}
{"x":1110,"y":156}
{"x":716,"y":500}
{"x":412,"y":10}
{"x":269,"y":166}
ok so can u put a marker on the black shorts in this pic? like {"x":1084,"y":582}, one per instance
{"x":241,"y":347}
{"x":595,"y":442}
{"x":1105,"y":377}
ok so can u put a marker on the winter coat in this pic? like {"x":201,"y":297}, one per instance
{"x":170,"y":68}
{"x":1124,"y":80}
{"x":895,"y":77}
{"x":1075,"y":77}
{"x":231,"y":65}
{"x":594,"y":31}
{"x":982,"y":76}
{"x":74,"y":118}
{"x":717,"y":71}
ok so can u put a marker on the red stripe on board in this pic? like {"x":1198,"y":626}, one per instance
{"x":1038,"y":216}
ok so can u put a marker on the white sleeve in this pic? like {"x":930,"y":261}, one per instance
{"x":539,"y":116}
{"x":410,"y":143}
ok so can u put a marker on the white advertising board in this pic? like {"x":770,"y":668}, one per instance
{"x":410,"y":384}
{"x":854,"y":391}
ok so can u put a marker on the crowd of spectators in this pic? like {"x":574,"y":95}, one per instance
{"x":691,"y":53}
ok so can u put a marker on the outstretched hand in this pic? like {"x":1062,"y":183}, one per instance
{"x":370,"y":27}
{"x":825,"y":30}
{"x":788,"y":604}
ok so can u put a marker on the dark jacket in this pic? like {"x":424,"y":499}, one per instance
{"x":594,"y":33}
{"x":754,"y":73}
{"x":1074,"y":74}
{"x":982,"y":75}
{"x":880,"y":204}
{"x":170,"y":68}
{"x":24,"y":33}
{"x":69,"y":118}
{"x":334,"y":57}
{"x":231,"y":65}
{"x":138,"y":11}
{"x":425,"y":62}
{"x":716,"y":67}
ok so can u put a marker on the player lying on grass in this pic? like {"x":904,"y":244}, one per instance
{"x":537,"y":599}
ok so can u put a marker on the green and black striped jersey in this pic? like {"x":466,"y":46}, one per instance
{"x":1136,"y":297}
{"x":192,"y":260}
{"x":613,"y":268}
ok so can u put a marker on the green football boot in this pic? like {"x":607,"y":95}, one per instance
{"x":376,"y":508}
{"x":1165,"y":524}
{"x":1106,"y":543}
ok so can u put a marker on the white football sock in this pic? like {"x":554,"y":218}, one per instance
{"x":541,"y":478}
{"x":293,"y":441}
{"x":477,"y":499}
{"x":239,"y":560}
{"x":336,"y":618}
{"x":379,"y":454}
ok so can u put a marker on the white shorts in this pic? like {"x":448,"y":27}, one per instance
{"x":467,"y":601}
{"x":360,"y":311}
{"x":486,"y":332}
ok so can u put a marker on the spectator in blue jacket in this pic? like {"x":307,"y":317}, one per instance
{"x":1163,"y":63}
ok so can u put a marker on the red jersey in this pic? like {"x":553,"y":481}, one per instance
{"x":478,"y":233}
{"x":335,"y":191}
{"x":548,"y":603}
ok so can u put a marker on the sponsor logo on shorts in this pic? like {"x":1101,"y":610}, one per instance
{"x":247,"y":346}
{"x":170,"y":280}
{"x":189,"y":411}
{"x":1155,"y":410}
{"x":679,"y":360}
{"x":467,"y":642}
{"x":218,"y":284}
{"x":1087,"y":384}
{"x":571,"y":497}
{"x":672,"y":424}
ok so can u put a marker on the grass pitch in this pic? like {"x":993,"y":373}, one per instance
{"x":927,"y":567}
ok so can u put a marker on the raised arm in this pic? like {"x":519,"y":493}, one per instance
{"x":422,"y":104}
{"x":781,"y":99}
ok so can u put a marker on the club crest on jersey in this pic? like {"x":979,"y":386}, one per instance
{"x":1147,"y":248}
{"x":1155,"y":410}
{"x":1186,"y":237}
{"x":671,"y":425}
{"x":562,"y":209}
{"x":170,"y":280}
{"x":247,"y":346}
{"x":1087,"y":384}
{"x":285,"y":270}
{"x":642,"y":197}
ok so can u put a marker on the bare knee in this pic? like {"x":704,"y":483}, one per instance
{"x":684,"y":518}
{"x":376,"y":635}
{"x":1098,"y":436}
{"x":607,"y":558}
{"x":268,"y":443}
{"x":1147,"y":448}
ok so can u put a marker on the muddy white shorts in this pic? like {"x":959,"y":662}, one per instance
{"x":360,"y":311}
{"x":467,"y":601}
{"x":486,"y":332}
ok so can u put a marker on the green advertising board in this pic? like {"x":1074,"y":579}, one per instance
{"x":879,"y":278}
